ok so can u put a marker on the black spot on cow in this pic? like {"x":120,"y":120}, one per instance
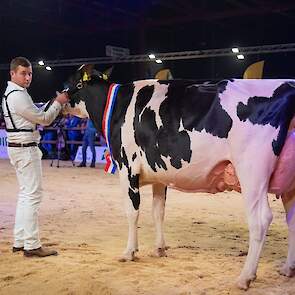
{"x":134,"y":190}
{"x":201,"y":110}
{"x":133,"y":179}
{"x":222,"y":85}
{"x":135,"y":198}
{"x":134,"y":157}
{"x":277,"y":110}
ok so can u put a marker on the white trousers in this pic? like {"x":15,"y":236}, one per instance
{"x":27,"y":164}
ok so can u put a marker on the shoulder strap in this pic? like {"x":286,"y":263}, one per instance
{"x":14,"y":129}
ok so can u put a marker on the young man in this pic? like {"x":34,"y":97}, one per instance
{"x":21,"y":117}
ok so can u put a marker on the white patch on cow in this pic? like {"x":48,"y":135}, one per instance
{"x":78,"y":110}
{"x":158,"y":97}
{"x":240,"y":90}
{"x":181,"y":127}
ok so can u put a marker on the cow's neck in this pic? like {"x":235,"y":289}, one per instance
{"x":95,"y":100}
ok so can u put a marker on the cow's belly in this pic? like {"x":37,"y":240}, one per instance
{"x":191,"y":178}
{"x":205,"y":171}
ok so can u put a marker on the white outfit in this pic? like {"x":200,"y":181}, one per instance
{"x":26,"y":161}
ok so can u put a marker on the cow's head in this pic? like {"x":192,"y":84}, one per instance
{"x":83,"y":86}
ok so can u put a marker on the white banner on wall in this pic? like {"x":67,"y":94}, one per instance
{"x":3,"y":144}
{"x":99,"y":150}
{"x":99,"y":154}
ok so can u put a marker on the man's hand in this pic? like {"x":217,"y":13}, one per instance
{"x":62,"y":98}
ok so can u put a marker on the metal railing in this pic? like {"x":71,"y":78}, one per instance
{"x":194,"y":54}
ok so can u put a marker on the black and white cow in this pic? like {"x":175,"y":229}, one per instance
{"x":185,"y":136}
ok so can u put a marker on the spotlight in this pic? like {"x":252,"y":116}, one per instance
{"x":235,"y":50}
{"x":240,"y":56}
{"x":48,"y":68}
{"x":152,"y":56}
{"x":158,"y":61}
{"x":41,"y":63}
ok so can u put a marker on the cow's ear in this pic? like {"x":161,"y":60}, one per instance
{"x":86,"y":71}
{"x":107,"y":73}
{"x":86,"y":77}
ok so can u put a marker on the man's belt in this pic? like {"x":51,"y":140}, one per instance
{"x":14,"y":144}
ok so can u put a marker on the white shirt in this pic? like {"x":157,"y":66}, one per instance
{"x":25,"y":114}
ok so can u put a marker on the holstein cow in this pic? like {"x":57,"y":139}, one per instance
{"x":196,"y":138}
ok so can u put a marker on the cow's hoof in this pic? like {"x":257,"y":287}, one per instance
{"x":130,"y":256}
{"x":243,"y":283}
{"x":159,"y":252}
{"x":287,"y":271}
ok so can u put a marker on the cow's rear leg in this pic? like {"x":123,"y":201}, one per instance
{"x":132,"y":202}
{"x":288,"y":268}
{"x":159,"y":199}
{"x":254,"y":184}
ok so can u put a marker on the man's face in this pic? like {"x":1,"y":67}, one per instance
{"x":22,"y":76}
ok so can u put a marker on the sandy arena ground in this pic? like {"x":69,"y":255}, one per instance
{"x":82,"y":216}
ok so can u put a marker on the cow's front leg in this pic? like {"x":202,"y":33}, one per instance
{"x":288,"y":268}
{"x":130,"y":185}
{"x":159,"y":199}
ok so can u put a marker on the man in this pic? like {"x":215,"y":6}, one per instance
{"x":21,"y":117}
{"x":89,"y":140}
{"x":73,"y":135}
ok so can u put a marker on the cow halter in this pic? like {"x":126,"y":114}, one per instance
{"x":111,"y":166}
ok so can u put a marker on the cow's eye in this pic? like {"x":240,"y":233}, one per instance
{"x":72,"y":103}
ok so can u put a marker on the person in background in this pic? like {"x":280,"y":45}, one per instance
{"x":49,"y":135}
{"x":73,"y":135}
{"x":21,"y":117}
{"x":89,"y":140}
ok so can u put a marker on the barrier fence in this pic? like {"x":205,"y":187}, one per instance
{"x":100,"y":146}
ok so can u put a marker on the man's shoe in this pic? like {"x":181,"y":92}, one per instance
{"x":82,"y":164}
{"x":92,"y":165}
{"x":17,"y":249}
{"x":39,"y":252}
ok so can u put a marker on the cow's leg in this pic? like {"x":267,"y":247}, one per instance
{"x":159,"y":199}
{"x":254,"y":185}
{"x":130,"y":185}
{"x":288,"y":268}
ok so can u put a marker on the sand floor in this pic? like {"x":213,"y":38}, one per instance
{"x":82,"y":216}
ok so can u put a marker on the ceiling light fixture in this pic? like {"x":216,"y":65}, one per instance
{"x":235,"y":50}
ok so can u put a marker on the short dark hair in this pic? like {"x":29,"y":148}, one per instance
{"x":19,"y":61}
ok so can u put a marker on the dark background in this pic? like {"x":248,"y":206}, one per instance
{"x":55,"y":29}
